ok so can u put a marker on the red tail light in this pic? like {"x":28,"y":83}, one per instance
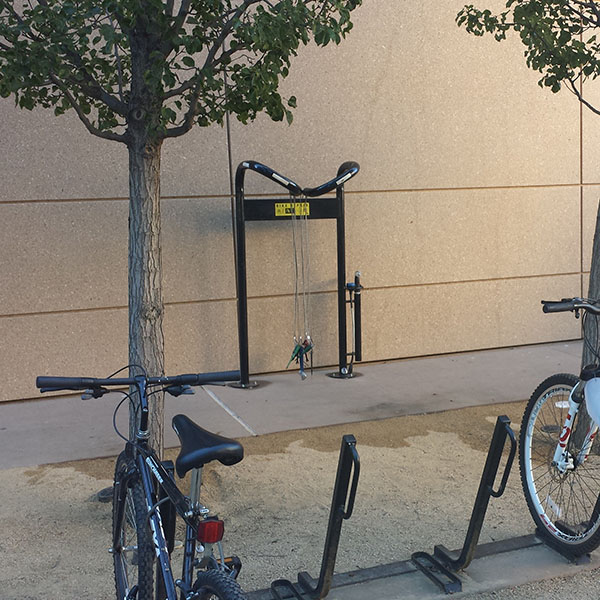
{"x":210,"y":531}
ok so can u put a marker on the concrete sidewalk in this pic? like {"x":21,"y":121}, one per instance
{"x":58,"y":429}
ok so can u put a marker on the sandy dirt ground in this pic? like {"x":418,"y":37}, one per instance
{"x":419,"y":477}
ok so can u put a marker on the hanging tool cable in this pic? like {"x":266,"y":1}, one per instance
{"x":303,"y":343}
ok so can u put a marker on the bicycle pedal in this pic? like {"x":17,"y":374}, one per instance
{"x":234,"y":564}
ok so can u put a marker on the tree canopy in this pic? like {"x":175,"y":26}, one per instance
{"x":560,"y":38}
{"x":168,"y":60}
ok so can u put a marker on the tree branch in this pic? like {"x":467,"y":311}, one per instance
{"x":573,"y":88}
{"x":107,"y":135}
{"x":194,"y":82}
{"x":593,"y":8}
{"x":119,"y":65}
{"x":93,"y":87}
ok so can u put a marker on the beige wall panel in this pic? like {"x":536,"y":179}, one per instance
{"x":196,"y":164}
{"x":400,"y":238}
{"x":73,"y":255}
{"x":91,"y":343}
{"x":419,"y":103}
{"x":201,"y":336}
{"x":62,"y":256}
{"x":198,"y":337}
{"x":436,"y":319}
{"x":270,"y":256}
{"x":590,"y":132}
{"x":48,"y":157}
{"x":198,"y":262}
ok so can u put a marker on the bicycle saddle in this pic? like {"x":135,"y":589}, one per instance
{"x":199,"y":446}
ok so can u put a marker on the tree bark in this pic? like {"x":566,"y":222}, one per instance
{"x":590,"y":330}
{"x":146,"y":305}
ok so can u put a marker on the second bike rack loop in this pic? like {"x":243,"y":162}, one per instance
{"x":442,"y":567}
{"x":342,"y":505}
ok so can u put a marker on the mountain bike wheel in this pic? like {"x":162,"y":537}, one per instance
{"x":133,"y":552}
{"x":216,"y":585}
{"x":565,"y":506}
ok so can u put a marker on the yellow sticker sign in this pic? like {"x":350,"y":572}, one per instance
{"x":288,"y":209}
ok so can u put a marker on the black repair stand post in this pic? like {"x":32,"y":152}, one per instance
{"x":442,"y":567}
{"x":273,"y":209}
{"x":342,"y":505}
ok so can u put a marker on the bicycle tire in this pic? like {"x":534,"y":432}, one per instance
{"x":564,"y":506}
{"x":133,"y":555}
{"x":216,"y":585}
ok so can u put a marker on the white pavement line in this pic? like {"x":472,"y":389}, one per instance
{"x":229,"y":411}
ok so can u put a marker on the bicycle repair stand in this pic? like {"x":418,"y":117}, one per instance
{"x":275,"y":209}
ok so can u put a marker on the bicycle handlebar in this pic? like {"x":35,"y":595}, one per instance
{"x":345,"y":172}
{"x":53,"y":384}
{"x":570,"y":304}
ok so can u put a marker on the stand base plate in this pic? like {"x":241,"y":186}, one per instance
{"x":243,"y":386}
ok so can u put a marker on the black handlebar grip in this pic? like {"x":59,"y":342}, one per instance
{"x":265,"y":171}
{"x":204,"y":378}
{"x":346,"y":171}
{"x":562,"y":306}
{"x":65,"y":383}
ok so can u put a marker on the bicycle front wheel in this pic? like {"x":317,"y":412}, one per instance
{"x":216,"y":585}
{"x":133,"y":548}
{"x":564,"y":503}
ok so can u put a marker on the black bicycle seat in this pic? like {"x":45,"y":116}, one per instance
{"x":199,"y":446}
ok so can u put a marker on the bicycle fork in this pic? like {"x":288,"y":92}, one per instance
{"x":563,"y":459}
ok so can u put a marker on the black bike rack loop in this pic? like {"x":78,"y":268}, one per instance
{"x":255,"y":209}
{"x":342,"y":505}
{"x":442,"y":566}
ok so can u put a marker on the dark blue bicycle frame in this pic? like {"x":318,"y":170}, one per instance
{"x":150,"y":469}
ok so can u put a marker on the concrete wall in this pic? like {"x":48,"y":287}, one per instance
{"x":476,"y":198}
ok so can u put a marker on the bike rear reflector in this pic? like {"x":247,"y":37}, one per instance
{"x":210,"y":531}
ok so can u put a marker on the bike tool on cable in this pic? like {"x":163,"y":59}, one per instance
{"x":303,"y":341}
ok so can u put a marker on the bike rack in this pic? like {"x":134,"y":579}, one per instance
{"x":342,"y":505}
{"x":442,"y":567}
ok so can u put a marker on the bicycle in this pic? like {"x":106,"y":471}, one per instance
{"x":559,"y":450}
{"x":146,"y":499}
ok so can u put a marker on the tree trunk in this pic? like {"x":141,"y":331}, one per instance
{"x":146,"y":306}
{"x":590,"y":330}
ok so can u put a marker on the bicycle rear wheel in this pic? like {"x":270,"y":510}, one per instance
{"x":133,"y":548}
{"x":216,"y":585}
{"x":564,"y":505}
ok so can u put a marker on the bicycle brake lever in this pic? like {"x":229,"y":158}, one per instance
{"x":178,"y":390}
{"x":94,"y":393}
